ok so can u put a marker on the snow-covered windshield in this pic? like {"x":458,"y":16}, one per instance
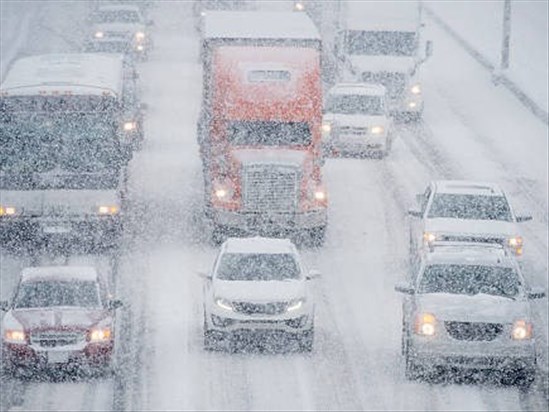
{"x":470,"y":280}
{"x":117,"y":16}
{"x":48,"y":293}
{"x":258,"y":266}
{"x":381,"y":43}
{"x":476,"y":207}
{"x":355,"y":104}
{"x":269,"y":133}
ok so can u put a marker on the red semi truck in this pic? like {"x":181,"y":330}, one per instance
{"x":260,"y":125}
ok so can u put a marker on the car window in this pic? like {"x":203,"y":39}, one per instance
{"x":470,"y":280}
{"x":477,"y":207}
{"x":118,"y":16}
{"x":355,"y":104}
{"x":258,"y":266}
{"x":45,"y":294}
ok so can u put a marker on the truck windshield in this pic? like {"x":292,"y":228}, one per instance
{"x":269,"y":133}
{"x":355,"y":104}
{"x":381,"y":43}
{"x":64,"y":150}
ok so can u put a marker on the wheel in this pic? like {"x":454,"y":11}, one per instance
{"x":412,"y":371}
{"x":316,"y":236}
{"x":522,"y":378}
{"x":210,"y":340}
{"x":306,"y":340}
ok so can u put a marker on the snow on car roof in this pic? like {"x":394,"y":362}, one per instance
{"x":259,"y":25}
{"x":468,"y":187}
{"x":367,"y":89}
{"x":469,"y":253}
{"x":56,"y":272}
{"x":77,"y":73}
{"x":258,"y":245}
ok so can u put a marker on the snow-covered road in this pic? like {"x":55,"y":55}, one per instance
{"x":471,"y":130}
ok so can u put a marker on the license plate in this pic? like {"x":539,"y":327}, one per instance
{"x":56,"y":229}
{"x":58,"y":357}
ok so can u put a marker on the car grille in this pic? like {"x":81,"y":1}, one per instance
{"x":472,"y":238}
{"x":351,"y":130}
{"x":117,"y":35}
{"x":473,"y":331}
{"x":272,"y":308}
{"x":56,"y":339}
{"x":395,"y":83}
{"x":270,"y":188}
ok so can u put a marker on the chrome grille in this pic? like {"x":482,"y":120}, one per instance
{"x":271,"y":308}
{"x":395,"y":83}
{"x":270,"y":188}
{"x":56,"y":339}
{"x":117,"y":35}
{"x":473,"y":331}
{"x":472,"y":238}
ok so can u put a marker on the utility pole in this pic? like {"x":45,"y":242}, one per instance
{"x":506,"y":34}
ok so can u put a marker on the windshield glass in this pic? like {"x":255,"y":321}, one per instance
{"x":269,"y":133}
{"x":118,"y":16}
{"x":381,"y":43}
{"x":65,"y":150}
{"x":470,"y":280}
{"x":355,"y":104}
{"x":47,"y":294}
{"x":477,"y":207}
{"x":258,"y":266}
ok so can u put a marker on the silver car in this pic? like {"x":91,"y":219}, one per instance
{"x":468,"y":307}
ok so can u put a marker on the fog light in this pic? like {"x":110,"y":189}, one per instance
{"x":412,"y":105}
{"x":99,"y":35}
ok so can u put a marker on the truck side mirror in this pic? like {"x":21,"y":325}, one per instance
{"x":404,"y":287}
{"x":523,"y":218}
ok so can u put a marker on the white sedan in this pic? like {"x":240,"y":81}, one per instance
{"x":258,"y":287}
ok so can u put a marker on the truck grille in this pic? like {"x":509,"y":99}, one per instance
{"x":56,"y":339}
{"x":270,"y":188}
{"x":271,"y":308}
{"x":395,"y":83}
{"x":473,"y":331}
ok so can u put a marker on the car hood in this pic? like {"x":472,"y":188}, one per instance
{"x":269,"y":156}
{"x":260,"y":291}
{"x":356,"y":119}
{"x":476,"y":308}
{"x":471,"y":227}
{"x":119,"y":27}
{"x":402,"y":64}
{"x":56,"y":318}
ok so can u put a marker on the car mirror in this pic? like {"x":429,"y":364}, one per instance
{"x":115,"y":304}
{"x":523,"y":218}
{"x":204,"y":275}
{"x":536,"y":293}
{"x":404,"y":287}
{"x":4,"y":305}
{"x":414,"y":213}
{"x":313,"y":274}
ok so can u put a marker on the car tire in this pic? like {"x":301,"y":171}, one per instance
{"x":412,"y":371}
{"x":522,"y":378}
{"x":316,"y":236}
{"x":306,"y":340}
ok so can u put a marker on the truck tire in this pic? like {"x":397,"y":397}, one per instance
{"x":306,"y":340}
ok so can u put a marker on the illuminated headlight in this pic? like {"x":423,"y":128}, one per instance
{"x":377,"y":129}
{"x":139,"y":36}
{"x":295,"y":305}
{"x":320,"y":194}
{"x":522,"y":330}
{"x":224,"y":304}
{"x":299,"y":6}
{"x":412,"y":105}
{"x":99,"y":35}
{"x":139,"y":47}
{"x":100,"y":334}
{"x":108,"y":210}
{"x":429,"y":237}
{"x":425,"y":324}
{"x":416,"y":89}
{"x":515,"y":243}
{"x":326,"y":128}
{"x":130,"y":126}
{"x":223,"y":192}
{"x":14,"y":336}
{"x":202,"y":13}
{"x":8,"y":211}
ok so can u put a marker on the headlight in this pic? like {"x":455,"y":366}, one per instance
{"x":130,"y":126}
{"x":224,"y":304}
{"x":14,"y":336}
{"x":299,"y":6}
{"x":522,"y":330}
{"x":377,"y":129}
{"x":326,"y":128}
{"x":416,"y":89}
{"x":320,"y":194}
{"x":108,"y":210}
{"x":8,"y":211}
{"x":99,"y":35}
{"x":429,"y":237}
{"x":139,"y":47}
{"x":515,"y":243}
{"x":295,"y":305}
{"x":425,"y":324}
{"x":412,"y":105}
{"x":223,"y":192}
{"x":140,"y":35}
{"x":100,"y":334}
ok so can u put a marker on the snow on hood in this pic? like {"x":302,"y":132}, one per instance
{"x":356,"y":119}
{"x":403,"y":64}
{"x":56,"y":318}
{"x":476,"y":308}
{"x":471,"y":227}
{"x":270,"y":156}
{"x":59,"y":201}
{"x":119,"y":27}
{"x":259,"y":291}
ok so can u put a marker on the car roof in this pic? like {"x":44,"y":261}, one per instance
{"x":258,"y":244}
{"x":367,"y":89}
{"x":468,"y":253}
{"x":69,"y":273}
{"x":468,"y":187}
{"x":119,"y":7}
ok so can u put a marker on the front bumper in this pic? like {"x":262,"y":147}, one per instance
{"x":118,"y":46}
{"x":356,"y":143}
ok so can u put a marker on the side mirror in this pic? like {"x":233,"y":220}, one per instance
{"x":204,"y":275}
{"x":523,"y":218}
{"x":404,"y":287}
{"x":313,"y":274}
{"x":414,"y":213}
{"x":115,"y":304}
{"x":428,"y":49}
{"x":536,"y":293}
{"x":4,"y":305}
